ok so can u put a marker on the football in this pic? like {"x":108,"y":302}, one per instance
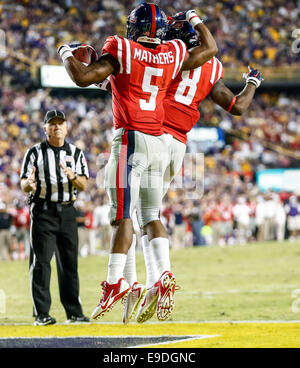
{"x":85,"y":53}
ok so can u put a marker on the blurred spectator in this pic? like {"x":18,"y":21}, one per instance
{"x":90,"y":227}
{"x":5,"y":234}
{"x":215,"y":217}
{"x":293,"y":220}
{"x":280,"y":219}
{"x":226,"y":211}
{"x":179,"y":227}
{"x":241,"y":212}
{"x":206,"y":233}
{"x":197,"y":224}
{"x":83,"y":232}
{"x":269,"y":220}
{"x":101,"y":223}
{"x":21,"y":226}
{"x":260,"y":217}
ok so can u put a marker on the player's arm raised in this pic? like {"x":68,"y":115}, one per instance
{"x":83,"y":75}
{"x":237,"y":105}
{"x":208,"y":48}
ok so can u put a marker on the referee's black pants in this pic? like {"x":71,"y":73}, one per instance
{"x":54,"y":230}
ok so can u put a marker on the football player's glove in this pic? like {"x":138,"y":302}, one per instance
{"x":179,"y":16}
{"x":254,"y":76}
{"x":182,"y":30}
{"x":190,"y":16}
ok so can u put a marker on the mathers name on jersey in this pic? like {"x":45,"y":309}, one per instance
{"x":141,"y":83}
{"x":148,"y":57}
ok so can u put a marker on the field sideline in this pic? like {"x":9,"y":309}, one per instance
{"x":252,"y":283}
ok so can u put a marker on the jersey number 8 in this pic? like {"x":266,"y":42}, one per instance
{"x":191,"y":84}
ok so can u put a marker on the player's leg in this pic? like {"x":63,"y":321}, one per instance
{"x":155,"y":229}
{"x":156,"y":243}
{"x":137,"y":292}
{"x":122,"y":181}
{"x":130,"y":274}
{"x":150,"y":215}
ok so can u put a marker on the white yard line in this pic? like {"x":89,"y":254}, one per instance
{"x":197,"y":337}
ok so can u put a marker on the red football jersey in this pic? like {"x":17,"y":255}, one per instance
{"x":226,"y":212}
{"x":186,"y":92}
{"x":22,"y":218}
{"x":140,"y":86}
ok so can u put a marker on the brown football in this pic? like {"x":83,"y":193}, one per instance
{"x":85,"y":53}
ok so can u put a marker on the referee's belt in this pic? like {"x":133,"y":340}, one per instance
{"x":48,"y":204}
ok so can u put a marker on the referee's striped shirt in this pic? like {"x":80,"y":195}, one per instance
{"x":53,"y":184}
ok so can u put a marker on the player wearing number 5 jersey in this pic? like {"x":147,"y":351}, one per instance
{"x":141,"y":69}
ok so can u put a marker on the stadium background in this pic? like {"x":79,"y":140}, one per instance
{"x":237,"y":149}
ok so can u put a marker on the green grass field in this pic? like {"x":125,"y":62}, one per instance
{"x":256,"y":282}
{"x":252,"y":282}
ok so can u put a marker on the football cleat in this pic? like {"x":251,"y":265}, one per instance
{"x":132,"y":301}
{"x":166,"y":291}
{"x":148,"y":305}
{"x":112,"y":293}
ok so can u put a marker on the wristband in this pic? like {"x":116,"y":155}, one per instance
{"x":233,"y":101}
{"x":193,"y":18}
{"x":65,"y":52}
{"x":254,"y":81}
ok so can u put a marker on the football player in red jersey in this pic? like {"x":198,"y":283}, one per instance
{"x":181,"y":104}
{"x":141,"y":69}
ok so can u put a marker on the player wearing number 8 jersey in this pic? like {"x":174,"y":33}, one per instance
{"x":181,"y":113}
{"x":184,"y":96}
{"x":141,"y":69}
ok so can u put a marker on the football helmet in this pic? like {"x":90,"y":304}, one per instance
{"x":180,"y":29}
{"x":147,"y":23}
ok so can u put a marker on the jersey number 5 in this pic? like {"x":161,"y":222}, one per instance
{"x":148,"y":87}
{"x":191,"y":84}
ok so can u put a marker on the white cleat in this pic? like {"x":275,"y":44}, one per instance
{"x":165,"y":302}
{"x":148,"y":305}
{"x":132,"y":301}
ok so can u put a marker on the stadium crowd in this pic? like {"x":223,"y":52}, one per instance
{"x":210,"y":214}
{"x":246,"y":31}
{"x":229,"y":209}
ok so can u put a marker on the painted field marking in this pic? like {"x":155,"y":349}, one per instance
{"x":196,"y":337}
{"x":97,"y":341}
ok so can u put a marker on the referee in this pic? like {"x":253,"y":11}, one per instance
{"x":52,"y":172}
